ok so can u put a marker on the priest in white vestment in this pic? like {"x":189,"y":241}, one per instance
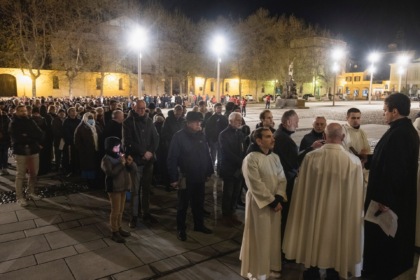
{"x":261,"y":244}
{"x":325,"y":218}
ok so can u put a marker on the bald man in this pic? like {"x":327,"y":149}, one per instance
{"x":324,"y":226}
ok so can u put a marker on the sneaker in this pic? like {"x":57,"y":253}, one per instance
{"x":34,"y":197}
{"x":22,"y":202}
{"x":124,"y":233}
{"x":116,"y":236}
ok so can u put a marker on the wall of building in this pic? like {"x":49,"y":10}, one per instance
{"x":85,"y":84}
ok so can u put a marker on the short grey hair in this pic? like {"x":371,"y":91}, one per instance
{"x":233,"y":115}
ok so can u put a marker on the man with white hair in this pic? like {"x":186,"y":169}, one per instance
{"x":231,"y":142}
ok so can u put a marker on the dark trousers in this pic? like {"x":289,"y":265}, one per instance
{"x":57,"y":154}
{"x":231,"y":191}
{"x":4,"y":155}
{"x":193,"y":194}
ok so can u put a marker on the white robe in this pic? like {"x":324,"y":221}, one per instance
{"x":261,"y":242}
{"x":324,"y":227}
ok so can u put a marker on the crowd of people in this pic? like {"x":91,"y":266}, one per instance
{"x":304,"y":204}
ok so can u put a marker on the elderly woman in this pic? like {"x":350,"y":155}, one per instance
{"x":87,"y":137}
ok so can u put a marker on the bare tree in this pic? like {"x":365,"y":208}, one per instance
{"x":30,"y":24}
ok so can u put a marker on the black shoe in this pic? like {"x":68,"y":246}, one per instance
{"x":124,"y":233}
{"x":116,"y":236}
{"x":332,"y":274}
{"x":311,"y":274}
{"x":182,"y":235}
{"x":133,"y":222}
{"x":203,"y":229}
{"x":149,"y":218}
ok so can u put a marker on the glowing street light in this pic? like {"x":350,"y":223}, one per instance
{"x":373,"y":57}
{"x":337,"y":55}
{"x":219,"y":46}
{"x":138,"y":41}
{"x":402,"y":61}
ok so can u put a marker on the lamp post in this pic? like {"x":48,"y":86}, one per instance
{"x":137,"y":42}
{"x":335,"y":70}
{"x":337,"y":55}
{"x":373,"y":57}
{"x":218,"y":48}
{"x":402,"y":61}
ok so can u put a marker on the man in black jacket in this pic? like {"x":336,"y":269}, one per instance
{"x":393,"y":186}
{"x":214,"y":125}
{"x":140,"y":140}
{"x":26,"y":137}
{"x":173,"y":123}
{"x":4,"y":142}
{"x":231,"y":141}
{"x":189,"y":166}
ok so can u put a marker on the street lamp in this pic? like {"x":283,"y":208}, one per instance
{"x":337,"y":55}
{"x":402,"y":61}
{"x":218,"y":48}
{"x":373,"y":57}
{"x":137,"y":42}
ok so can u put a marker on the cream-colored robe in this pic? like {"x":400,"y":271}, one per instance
{"x":324,"y":227}
{"x":261,"y":242}
{"x":355,"y":138}
{"x":416,"y":124}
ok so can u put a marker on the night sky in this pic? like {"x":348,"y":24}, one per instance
{"x":365,"y":25}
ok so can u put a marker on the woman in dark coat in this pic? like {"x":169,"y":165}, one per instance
{"x":87,"y":142}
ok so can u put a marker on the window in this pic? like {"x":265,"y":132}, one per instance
{"x":212,"y":86}
{"x":227,"y":86}
{"x":348,"y":79}
{"x":56,"y":82}
{"x":120,"y":84}
{"x":262,"y":89}
{"x":98,"y":83}
{"x":357,"y":79}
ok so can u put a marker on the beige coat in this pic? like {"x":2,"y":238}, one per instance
{"x":324,"y":227}
{"x":261,"y":243}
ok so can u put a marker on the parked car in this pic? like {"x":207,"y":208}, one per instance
{"x":249,"y":97}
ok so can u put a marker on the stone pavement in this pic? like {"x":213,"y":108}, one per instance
{"x":67,"y":237}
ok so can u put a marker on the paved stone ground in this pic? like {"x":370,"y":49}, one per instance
{"x":67,"y":237}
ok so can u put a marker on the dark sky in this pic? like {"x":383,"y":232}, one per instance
{"x":365,"y":25}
